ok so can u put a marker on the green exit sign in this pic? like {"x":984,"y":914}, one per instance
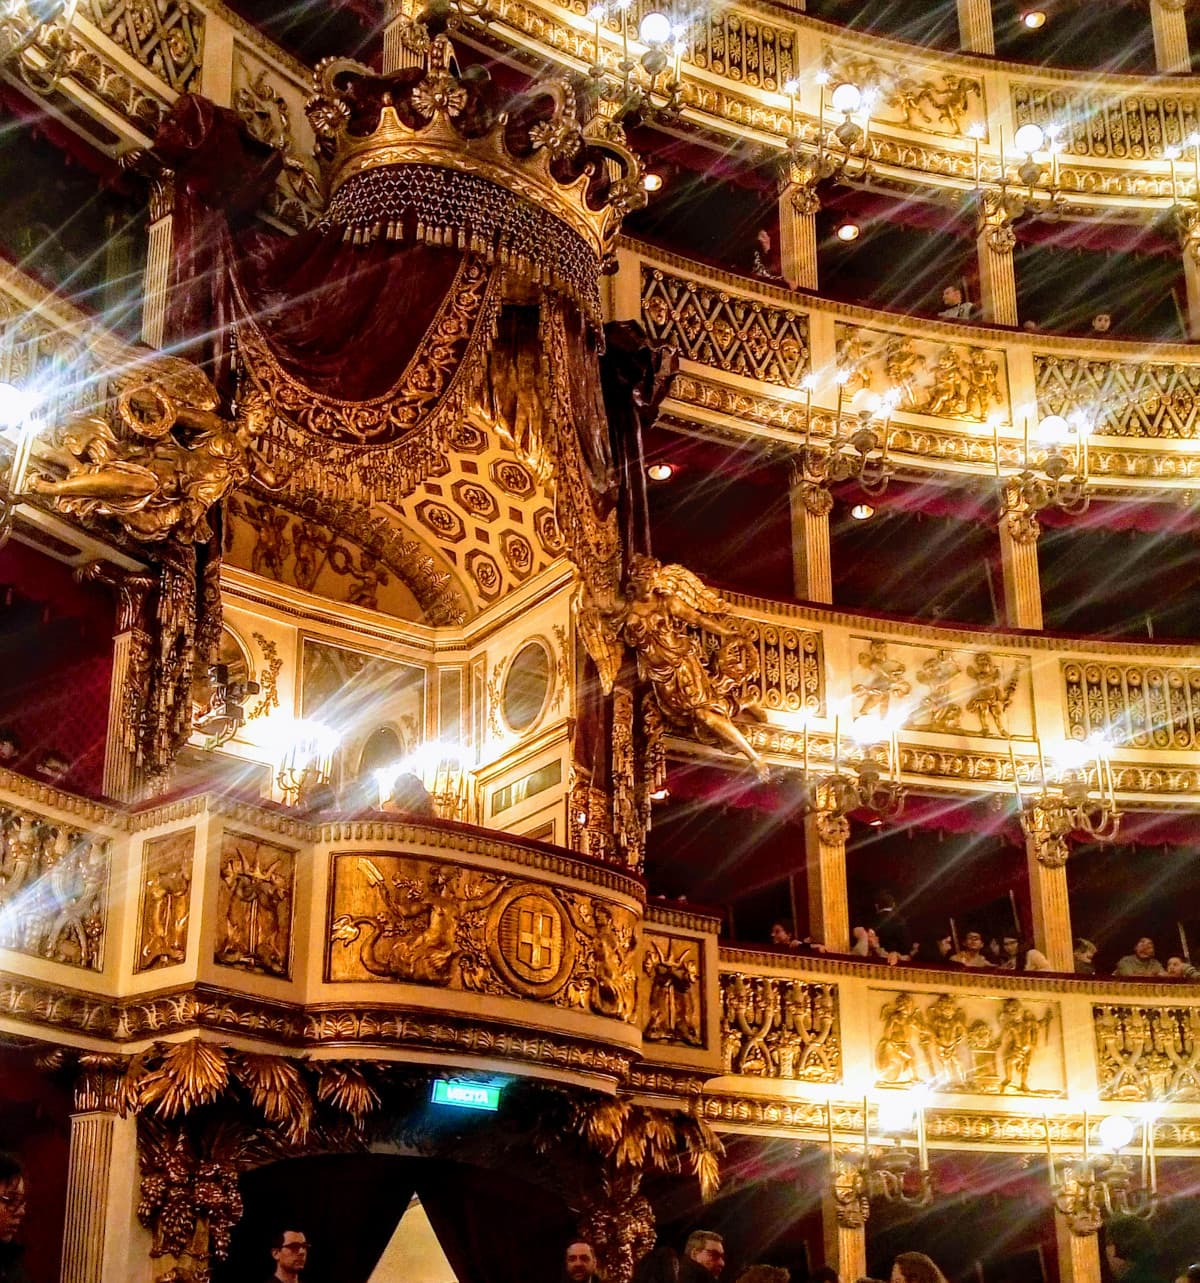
{"x":466,"y":1095}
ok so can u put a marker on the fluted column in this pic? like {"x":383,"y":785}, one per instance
{"x":130,"y":671}
{"x":845,"y":1242}
{"x":159,"y":259}
{"x":102,"y":1239}
{"x":404,"y":43}
{"x":994,"y":243}
{"x":1051,"y":907}
{"x":1078,"y":1254}
{"x":825,"y":864}
{"x":812,"y":569}
{"x":1188,"y":228}
{"x":1169,"y":24}
{"x":1019,"y":531}
{"x":798,"y":209}
{"x":975,"y":32}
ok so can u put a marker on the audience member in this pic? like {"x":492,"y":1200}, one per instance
{"x":971,"y":954}
{"x":1020,"y":955}
{"x":866,"y":943}
{"x":955,"y":307}
{"x":1141,"y":962}
{"x":703,"y":1257}
{"x":944,"y":947}
{"x":1129,"y":1250}
{"x":916,"y":1267}
{"x":12,"y":1214}
{"x":764,"y":262}
{"x":658,"y":1266}
{"x":289,"y":1250}
{"x":783,"y":937}
{"x":1180,"y":969}
{"x":890,"y":927}
{"x":1101,"y":324}
{"x":765,"y":1274}
{"x":1085,"y":953}
{"x":579,"y":1265}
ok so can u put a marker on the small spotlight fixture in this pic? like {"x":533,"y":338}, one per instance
{"x":848,"y":231}
{"x":652,"y":182}
{"x":1033,"y":19}
{"x":660,"y":795}
{"x":660,"y":472}
{"x":862,"y":512}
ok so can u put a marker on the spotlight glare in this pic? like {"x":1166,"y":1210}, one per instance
{"x":862,"y":512}
{"x":660,"y":472}
{"x":848,"y":232}
{"x":1033,"y":19}
{"x":655,"y":29}
{"x":1116,"y":1131}
{"x":1052,"y":430}
{"x":1029,"y":138}
{"x":846,"y":98}
{"x":652,"y":182}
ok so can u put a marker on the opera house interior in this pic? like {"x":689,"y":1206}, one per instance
{"x":577,"y":579}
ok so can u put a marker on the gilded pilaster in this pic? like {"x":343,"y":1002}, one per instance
{"x":798,"y":209}
{"x":159,"y":257}
{"x":812,"y":568}
{"x":845,"y":1241}
{"x":994,"y":242}
{"x":975,"y":32}
{"x":1019,"y":530}
{"x":1168,"y":21}
{"x":1187,"y":224}
{"x":825,"y":864}
{"x":1078,"y":1254}
{"x":1051,"y":908}
{"x":404,"y":43}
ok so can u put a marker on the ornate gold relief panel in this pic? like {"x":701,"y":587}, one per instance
{"x":1134,"y":705}
{"x":1134,"y":127}
{"x":53,"y":889}
{"x":731,"y":331}
{"x":1121,"y":398}
{"x":407,"y":918}
{"x":254,"y":905}
{"x":946,"y":380}
{"x":791,"y":667}
{"x":164,"y":36}
{"x":918,"y":98}
{"x":166,"y":900}
{"x":773,"y":1027}
{"x":941,"y":688}
{"x":1147,"y":1053}
{"x":962,"y":1043}
{"x":671,"y":1001}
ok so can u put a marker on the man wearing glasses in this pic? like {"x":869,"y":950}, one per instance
{"x":12,"y":1213}
{"x":290,"y":1250}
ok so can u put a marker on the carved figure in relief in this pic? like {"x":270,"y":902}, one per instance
{"x":673,"y":1006}
{"x":271,"y":544}
{"x":946,"y":1022}
{"x":76,"y":881}
{"x":939,"y":711}
{"x":949,"y":392}
{"x":886,"y":680}
{"x":419,"y":932}
{"x":697,"y":688}
{"x":902,"y":364}
{"x":613,"y":979}
{"x":992,"y":696}
{"x":366,"y":581}
{"x":168,"y":907}
{"x":903,"y":1027}
{"x":852,"y":355}
{"x":176,"y":460}
{"x":953,"y":100}
{"x":982,"y":376}
{"x":256,"y":913}
{"x":1020,"y":1031}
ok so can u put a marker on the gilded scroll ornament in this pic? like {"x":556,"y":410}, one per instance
{"x":665,"y":616}
{"x":673,"y":968}
{"x":254,"y":905}
{"x":777,"y":1028}
{"x":53,"y":890}
{"x":1134,"y":126}
{"x":166,"y":900}
{"x":1153,"y":706}
{"x":961,"y":1045}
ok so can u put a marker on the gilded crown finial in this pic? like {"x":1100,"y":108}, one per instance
{"x":424,"y":154}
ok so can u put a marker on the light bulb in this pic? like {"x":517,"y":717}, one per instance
{"x":862,"y":512}
{"x":652,"y":182}
{"x":896,"y":1111}
{"x":1116,"y":1131}
{"x":846,"y":98}
{"x":975,"y":130}
{"x":848,"y":232}
{"x":655,"y":29}
{"x":1029,"y":138}
{"x":660,"y":472}
{"x":1053,"y":430}
{"x":791,"y":88}
{"x":1034,"y":18}
{"x":864,"y":401}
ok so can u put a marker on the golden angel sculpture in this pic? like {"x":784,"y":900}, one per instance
{"x":697,"y":688}
{"x":175,"y":458}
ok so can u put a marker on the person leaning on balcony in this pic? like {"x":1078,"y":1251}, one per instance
{"x":971,"y":954}
{"x":1085,"y":957}
{"x":1020,"y":955}
{"x":1180,"y":969}
{"x":1141,"y":962}
{"x":1129,"y":1250}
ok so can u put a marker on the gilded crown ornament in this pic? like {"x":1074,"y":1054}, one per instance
{"x":424,"y":155}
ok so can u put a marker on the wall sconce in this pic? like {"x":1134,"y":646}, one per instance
{"x":1069,"y":803}
{"x":307,"y":762}
{"x":43,"y":26}
{"x":18,"y":426}
{"x":443,"y":774}
{"x":856,"y":451}
{"x":639,"y":92}
{"x":1063,"y":479}
{"x":1089,"y":1189}
{"x":865,"y":784}
{"x":892,"y":1174}
{"x":844,"y":154}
